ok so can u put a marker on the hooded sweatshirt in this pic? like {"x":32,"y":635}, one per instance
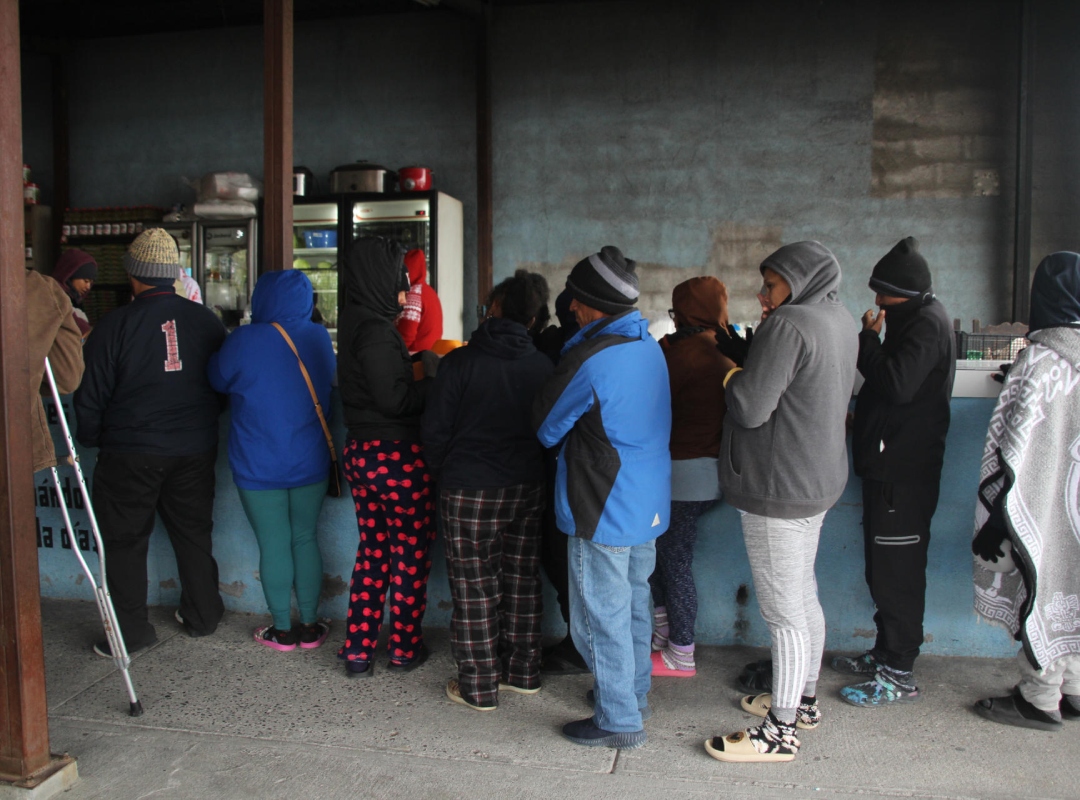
{"x":375,"y":372}
{"x":275,"y":438}
{"x":696,"y":369}
{"x":902,"y":411}
{"x":476,"y":427}
{"x":784,"y":453}
{"x":70,"y":262}
{"x":421,"y":321}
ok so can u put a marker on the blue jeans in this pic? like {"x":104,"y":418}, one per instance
{"x":611,"y":624}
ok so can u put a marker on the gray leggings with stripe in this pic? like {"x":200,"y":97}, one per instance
{"x":782,"y":554}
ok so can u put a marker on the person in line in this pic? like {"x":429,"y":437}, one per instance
{"x":481,"y":449}
{"x":52,"y":333}
{"x":898,"y":448}
{"x":561,"y":658}
{"x":696,"y":371}
{"x":146,"y":402}
{"x":608,"y":408}
{"x":186,"y":286}
{"x":421,"y":321}
{"x":1027,"y":521}
{"x":783,"y":463}
{"x":76,"y":271}
{"x":277,"y":448}
{"x":384,"y":462}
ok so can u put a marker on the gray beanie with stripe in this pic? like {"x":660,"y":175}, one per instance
{"x":605,"y":281}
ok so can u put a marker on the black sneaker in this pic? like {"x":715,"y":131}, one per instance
{"x":269,"y":636}
{"x":408,"y":666}
{"x":562,"y":659}
{"x":313,"y":634}
{"x":359,"y":669}
{"x":190,"y":631}
{"x":586,"y":732}
{"x":102,"y":648}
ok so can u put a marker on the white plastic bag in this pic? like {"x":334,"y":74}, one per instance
{"x":228,"y":186}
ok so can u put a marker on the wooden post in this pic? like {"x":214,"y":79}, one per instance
{"x":277,"y":133}
{"x":484,"y":192}
{"x":24,"y":717}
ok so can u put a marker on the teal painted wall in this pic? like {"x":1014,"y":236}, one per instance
{"x":720,"y":565}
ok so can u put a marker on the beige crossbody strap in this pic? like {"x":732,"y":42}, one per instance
{"x":311,"y":388}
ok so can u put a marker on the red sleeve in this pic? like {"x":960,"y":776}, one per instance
{"x":430,"y":329}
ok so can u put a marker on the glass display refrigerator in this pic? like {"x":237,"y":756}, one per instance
{"x":227,"y":259}
{"x":324,"y":229}
{"x":315,"y":253}
{"x":431,"y":221}
{"x":186,"y":235}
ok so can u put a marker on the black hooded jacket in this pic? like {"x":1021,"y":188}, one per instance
{"x":477,"y":431}
{"x":375,"y":373}
{"x":902,"y":411}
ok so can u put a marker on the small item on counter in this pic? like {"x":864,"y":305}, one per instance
{"x":974,"y":355}
{"x":25,"y":174}
{"x":31,"y":193}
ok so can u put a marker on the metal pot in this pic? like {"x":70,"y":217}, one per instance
{"x":303,"y":181}
{"x":415,"y":179}
{"x":361,"y":176}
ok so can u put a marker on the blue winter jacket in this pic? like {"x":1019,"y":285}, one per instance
{"x":275,"y":438}
{"x":609,"y":404}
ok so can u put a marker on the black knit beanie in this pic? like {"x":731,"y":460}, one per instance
{"x":605,"y":281}
{"x":903,"y":271}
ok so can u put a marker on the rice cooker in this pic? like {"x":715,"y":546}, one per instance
{"x":361,"y":176}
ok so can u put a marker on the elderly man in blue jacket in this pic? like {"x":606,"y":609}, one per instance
{"x":608,"y":409}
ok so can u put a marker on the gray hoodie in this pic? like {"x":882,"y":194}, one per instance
{"x":783,"y":453}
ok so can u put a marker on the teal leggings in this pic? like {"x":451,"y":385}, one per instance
{"x":284,"y":521}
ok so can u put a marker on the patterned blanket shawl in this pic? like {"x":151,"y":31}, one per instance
{"x":1033,"y":450}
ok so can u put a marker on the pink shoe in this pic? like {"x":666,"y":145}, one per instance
{"x":662,"y":670}
{"x":276,"y":640}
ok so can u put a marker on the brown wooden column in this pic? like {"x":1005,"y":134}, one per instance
{"x":277,"y":133}
{"x":484,"y":191}
{"x":24,"y":720}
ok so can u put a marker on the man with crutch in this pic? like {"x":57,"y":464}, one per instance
{"x":146,"y":402}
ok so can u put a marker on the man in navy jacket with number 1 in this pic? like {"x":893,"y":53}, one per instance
{"x":145,"y":401}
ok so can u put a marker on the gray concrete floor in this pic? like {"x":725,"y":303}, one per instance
{"x":226,"y":718}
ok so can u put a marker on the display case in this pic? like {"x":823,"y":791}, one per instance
{"x":316,"y":254}
{"x":105,"y":234}
{"x":227,"y":266}
{"x":429,"y":221}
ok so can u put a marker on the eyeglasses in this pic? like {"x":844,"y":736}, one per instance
{"x":671,"y":313}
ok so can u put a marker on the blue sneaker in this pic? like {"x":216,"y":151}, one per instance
{"x":586,"y":732}
{"x":881,"y":691}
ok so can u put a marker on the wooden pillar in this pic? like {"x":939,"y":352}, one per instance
{"x":24,"y":720}
{"x":277,"y":133}
{"x":484,"y":192}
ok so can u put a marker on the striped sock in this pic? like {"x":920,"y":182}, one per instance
{"x":677,"y":656}
{"x":660,"y":628}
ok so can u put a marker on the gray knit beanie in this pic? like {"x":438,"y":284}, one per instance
{"x":605,"y":281}
{"x":152,"y":256}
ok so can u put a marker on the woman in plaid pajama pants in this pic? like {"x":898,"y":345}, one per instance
{"x":489,"y":465}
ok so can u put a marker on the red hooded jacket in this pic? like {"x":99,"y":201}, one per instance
{"x":421,"y":321}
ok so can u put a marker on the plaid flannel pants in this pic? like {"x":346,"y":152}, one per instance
{"x":493,"y":559}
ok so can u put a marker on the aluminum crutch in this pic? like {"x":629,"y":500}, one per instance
{"x":101,"y":588}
